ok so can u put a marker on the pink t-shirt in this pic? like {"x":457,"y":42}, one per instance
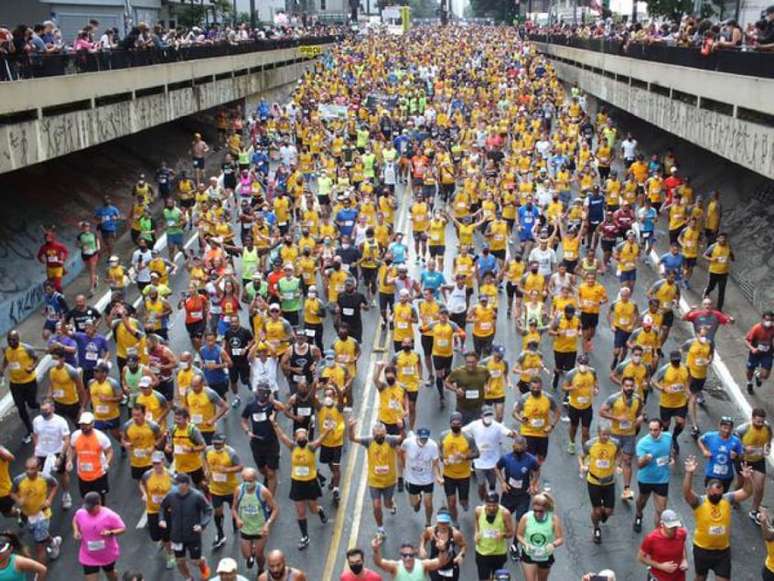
{"x":96,"y":549}
{"x":367,"y":575}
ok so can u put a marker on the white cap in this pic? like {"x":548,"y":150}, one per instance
{"x":113,"y":258}
{"x":227,"y":565}
{"x":144,"y":382}
{"x":86,"y":418}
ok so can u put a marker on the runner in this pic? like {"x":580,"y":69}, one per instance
{"x":760,"y":343}
{"x":457,"y":449}
{"x":663,"y":550}
{"x":420,"y":464}
{"x":598,"y":463}
{"x":255,"y":511}
{"x":655,"y":458}
{"x":539,"y":533}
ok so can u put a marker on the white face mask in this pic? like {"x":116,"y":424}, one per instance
{"x":185,"y":364}
{"x":328,"y":402}
{"x":768,"y":324}
{"x":487,"y":421}
{"x":703,"y":339}
{"x":583,"y":368}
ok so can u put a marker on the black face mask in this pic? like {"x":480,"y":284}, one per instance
{"x":456,"y":429}
{"x":491,"y":518}
{"x":356,"y":568}
{"x":407,"y":348}
{"x":533,"y":270}
{"x":262,"y":397}
{"x":390,"y":380}
{"x":715,"y":498}
{"x":301,"y":443}
{"x":379,"y":439}
{"x":388,"y":261}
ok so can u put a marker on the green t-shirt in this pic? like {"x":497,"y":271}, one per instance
{"x":88,"y":242}
{"x":472,"y":385}
{"x":172,"y":220}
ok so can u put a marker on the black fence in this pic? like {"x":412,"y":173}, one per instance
{"x":734,"y":61}
{"x":28,"y":66}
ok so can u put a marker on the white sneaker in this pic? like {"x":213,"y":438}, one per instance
{"x":54,"y":548}
{"x":67,"y":501}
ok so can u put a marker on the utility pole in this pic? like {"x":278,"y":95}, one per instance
{"x":253,"y":20}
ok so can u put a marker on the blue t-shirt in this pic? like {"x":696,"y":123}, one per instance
{"x":69,"y":342}
{"x":486,"y":263}
{"x":649,"y":216}
{"x":720,"y":463}
{"x":433,"y":280}
{"x":657,"y":471}
{"x":672,"y":263}
{"x":89,"y":349}
{"x":56,"y":306}
{"x":527,"y":217}
{"x":596,"y":207}
{"x":345,"y":220}
{"x":108,"y":218}
{"x":517,"y":470}
{"x":398,"y":250}
{"x":213,"y":376}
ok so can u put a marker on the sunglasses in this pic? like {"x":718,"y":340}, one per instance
{"x":407,"y":555}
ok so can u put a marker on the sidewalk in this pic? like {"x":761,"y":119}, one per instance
{"x":30,"y":329}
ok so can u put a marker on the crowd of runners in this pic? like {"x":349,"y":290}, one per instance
{"x":517,"y":200}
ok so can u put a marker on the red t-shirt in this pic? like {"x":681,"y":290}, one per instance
{"x":761,"y":337}
{"x":662,"y":550}
{"x":366,"y":575}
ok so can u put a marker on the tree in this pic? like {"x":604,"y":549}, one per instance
{"x":672,"y":9}
{"x":188,"y":15}
{"x":223,"y":9}
{"x":500,"y":10}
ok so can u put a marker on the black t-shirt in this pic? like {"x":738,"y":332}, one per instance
{"x":349,"y":255}
{"x":258,"y":415}
{"x":237,"y":342}
{"x":350,"y":308}
{"x":79,"y":318}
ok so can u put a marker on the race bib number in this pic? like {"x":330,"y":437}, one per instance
{"x":102,"y":409}
{"x":259,"y":417}
{"x":299,"y":378}
{"x":97,"y":545}
{"x":197,"y":419}
{"x":92,"y":356}
{"x":717,"y":530}
{"x":537,"y":422}
{"x":219,"y":477}
{"x":179,"y":449}
{"x":443,"y":342}
{"x":602,"y":464}
{"x":408,"y":370}
{"x":382,"y":469}
{"x":570,"y":332}
{"x":403,"y":325}
{"x":720,"y":469}
{"x":140,"y":453}
{"x":157,"y":498}
{"x":625,"y":424}
{"x":394,"y":404}
{"x":486,"y":325}
{"x":304,"y":412}
{"x":471,"y":394}
{"x":513,"y":483}
{"x":59,"y":393}
{"x":495,"y":373}
{"x":236,"y":351}
{"x":662,"y":461}
{"x":582,"y":400}
{"x":348,"y":312}
{"x":301,"y":471}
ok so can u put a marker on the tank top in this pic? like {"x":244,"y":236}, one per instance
{"x":132,"y":379}
{"x":249,"y":263}
{"x":9,"y":572}
{"x":251,"y":510}
{"x":451,"y":569}
{"x":305,"y":362}
{"x":417,"y":574}
{"x":538,"y":534}
{"x":489,"y":543}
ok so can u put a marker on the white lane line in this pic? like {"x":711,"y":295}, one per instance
{"x":719,"y":366}
{"x":143,"y":520}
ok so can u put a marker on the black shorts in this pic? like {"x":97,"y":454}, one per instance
{"x":570,"y":265}
{"x":196,"y":330}
{"x":301,"y":490}
{"x":369,"y":276}
{"x":240,"y":371}
{"x":444,"y":363}
{"x":59,"y":466}
{"x":696,"y":385}
{"x":246,"y":537}
{"x":330,"y":454}
{"x":219,"y":500}
{"x":499,"y":254}
{"x":220,"y":388}
{"x":6,"y":504}
{"x":540,"y":564}
{"x":265,"y":455}
{"x":95,"y":569}
{"x":156,"y":532}
{"x":705,"y":560}
{"x":100,"y":485}
{"x":607,"y":245}
{"x":494,"y":400}
{"x":582,"y":417}
{"x":537,"y":446}
{"x":658,"y":489}
{"x":138,"y":471}
{"x":565,"y":361}
{"x":386,"y":300}
{"x":488,"y":564}
{"x":427,"y":345}
{"x":437,"y":250}
{"x":392,"y":429}
{"x":589,"y":320}
{"x":601,"y":495}
{"x":198,"y":162}
{"x":457,"y":486}
{"x":415,"y":489}
{"x":666,"y":414}
{"x":197,"y":476}
{"x":194,"y":550}
{"x":517,"y":504}
{"x":186,"y":202}
{"x":412,"y":396}
{"x":668,"y":318}
{"x":70,"y":411}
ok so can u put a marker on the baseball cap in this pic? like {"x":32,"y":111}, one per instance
{"x":423,"y":433}
{"x":145,"y":382}
{"x":86,"y":418}
{"x":487,"y":411}
{"x":182,"y":478}
{"x":219,"y":438}
{"x":157,"y":456}
{"x":227,"y":565}
{"x":670,"y":519}
{"x":502,"y":575}
{"x":443,"y":517}
{"x":492,"y":496}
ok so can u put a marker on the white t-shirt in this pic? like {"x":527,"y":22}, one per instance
{"x":545,"y":259}
{"x":143,"y":272}
{"x":419,"y":461}
{"x":488,"y":440}
{"x":264,"y":371}
{"x":456,"y":302}
{"x":51,"y":433}
{"x":629,"y":148}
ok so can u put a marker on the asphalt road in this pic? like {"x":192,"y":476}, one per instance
{"x":352,"y":523}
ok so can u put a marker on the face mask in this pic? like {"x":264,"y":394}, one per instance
{"x":328,"y":402}
{"x":456,"y":429}
{"x":714,"y":498}
{"x":337,"y":267}
{"x":379,"y":439}
{"x":487,"y":421}
{"x":302,"y":443}
{"x":390,"y":380}
{"x":48,"y":414}
{"x":407,"y":348}
{"x":768,"y":324}
{"x":636,"y":358}
{"x":491,"y":517}
{"x":86,"y":429}
{"x":356,"y":568}
{"x":250,"y":486}
{"x":535,"y":393}
{"x":533,"y":270}
{"x":388,"y":261}
{"x":263,"y":396}
{"x":703,"y":339}
{"x":345,"y":246}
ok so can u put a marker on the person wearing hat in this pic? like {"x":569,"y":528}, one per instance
{"x":256,"y":423}
{"x":97,"y":527}
{"x":581,"y":385}
{"x":289,"y":289}
{"x":228,"y":570}
{"x":33,"y":493}
{"x":186,"y":512}
{"x":443,"y":535}
{"x":421,"y":469}
{"x":221,"y":464}
{"x":131,"y":375}
{"x":409,"y":567}
{"x":647,"y":337}
{"x":722,"y":449}
{"x":672,"y":381}
{"x":91,"y":452}
{"x":493,"y":533}
{"x":663,"y":549}
{"x":277,"y":331}
{"x":155,"y":484}
{"x":140,"y":436}
{"x":539,"y":534}
{"x":105,"y":395}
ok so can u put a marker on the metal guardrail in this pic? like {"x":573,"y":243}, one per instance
{"x":733,"y":61}
{"x":28,"y":66}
